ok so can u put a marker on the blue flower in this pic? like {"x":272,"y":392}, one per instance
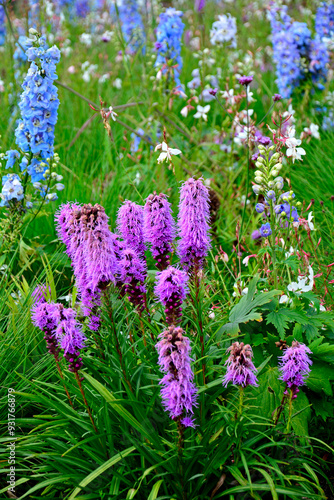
{"x":2,"y":26}
{"x":11,"y":156}
{"x":169,"y":35}
{"x":265,"y":230}
{"x":260,"y":207}
{"x":132,"y":25}
{"x":324,"y":20}
{"x":12,"y":189}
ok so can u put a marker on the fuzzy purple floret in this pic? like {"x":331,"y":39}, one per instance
{"x":132,"y":275}
{"x":159,"y":228}
{"x":193,"y":223}
{"x":91,"y":247}
{"x":179,"y":393}
{"x":295,"y":364}
{"x":130,"y":225}
{"x":39,"y":294}
{"x":240,"y":368}
{"x":171,"y":290}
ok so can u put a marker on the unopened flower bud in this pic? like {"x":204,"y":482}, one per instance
{"x":271,"y":184}
{"x":274,"y":157}
{"x":258,"y":179}
{"x":256,"y":189}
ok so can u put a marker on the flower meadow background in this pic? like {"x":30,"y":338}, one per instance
{"x":167,"y":249}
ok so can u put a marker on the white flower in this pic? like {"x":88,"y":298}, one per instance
{"x":301,"y":285}
{"x":229,"y":96}
{"x":212,"y":314}
{"x":112,"y":113}
{"x":292,"y":143}
{"x":104,"y":78}
{"x":314,"y":129}
{"x":309,"y":221}
{"x":284,"y":299}
{"x":202,"y":112}
{"x":117,"y":83}
{"x":184,"y":111}
{"x":86,"y":39}
{"x":166,"y":152}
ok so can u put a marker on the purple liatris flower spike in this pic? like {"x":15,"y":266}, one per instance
{"x":46,"y":317}
{"x":133,"y":274}
{"x":91,"y":247}
{"x":40,"y":294}
{"x":71,"y":338}
{"x":295,"y":365}
{"x":240,"y":368}
{"x":171,"y":289}
{"x":130,"y":221}
{"x":159,"y":228}
{"x":179,"y":393}
{"x":193,"y":223}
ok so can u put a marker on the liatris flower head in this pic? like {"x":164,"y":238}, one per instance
{"x":71,"y":338}
{"x":40,"y":294}
{"x":133,"y":274}
{"x":171,"y":289}
{"x":240,"y":368}
{"x":46,"y":317}
{"x":193,"y":223}
{"x":178,"y":392}
{"x":130,"y":221}
{"x":159,"y":228}
{"x":295,"y":365}
{"x":245,"y":80}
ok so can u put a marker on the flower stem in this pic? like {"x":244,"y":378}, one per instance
{"x":85,"y":400}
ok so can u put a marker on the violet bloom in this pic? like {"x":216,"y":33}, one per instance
{"x":245,"y":80}
{"x":277,"y":97}
{"x":71,"y":338}
{"x":295,"y":366}
{"x":133,"y":274}
{"x":130,"y":221}
{"x":46,"y":317}
{"x":193,"y":223}
{"x":90,"y":245}
{"x":199,"y":5}
{"x":40,"y":293}
{"x":179,"y":393}
{"x":171,"y":289}
{"x":240,"y":368}
{"x":159,"y":228}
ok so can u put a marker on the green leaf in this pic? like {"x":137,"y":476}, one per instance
{"x":301,"y":414}
{"x":268,"y":395}
{"x":320,"y":377}
{"x":155,"y":490}
{"x":97,"y":472}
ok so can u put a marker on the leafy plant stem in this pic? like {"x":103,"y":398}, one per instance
{"x":85,"y":400}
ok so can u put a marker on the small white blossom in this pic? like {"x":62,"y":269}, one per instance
{"x":112,"y":113}
{"x":309,"y":221}
{"x":117,"y":83}
{"x":166,"y":152}
{"x":202,"y":112}
{"x":292,"y":143}
{"x":301,"y":285}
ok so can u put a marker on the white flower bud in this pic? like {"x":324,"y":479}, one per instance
{"x":271,"y":184}
{"x":32,"y":31}
{"x":274,"y":157}
{"x":259,"y":165}
{"x":274,"y":172}
{"x":260,"y":159}
{"x":256,"y":189}
{"x":59,"y":186}
{"x":258,"y":180}
{"x":59,"y":178}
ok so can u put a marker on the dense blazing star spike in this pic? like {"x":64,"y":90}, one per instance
{"x":91,"y":246}
{"x":179,"y":393}
{"x":295,"y":365}
{"x":98,"y":242}
{"x":130,"y":225}
{"x":2,"y":26}
{"x":68,"y":228}
{"x":39,"y":109}
{"x":168,"y":44}
{"x":324,"y":20}
{"x":40,"y":293}
{"x":132,"y":25}
{"x":46,"y":317}
{"x":159,"y":228}
{"x":224,"y":31}
{"x":71,"y":338}
{"x":193,"y":223}
{"x":132,"y":275}
{"x":171,"y":289}
{"x":240,"y":368}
